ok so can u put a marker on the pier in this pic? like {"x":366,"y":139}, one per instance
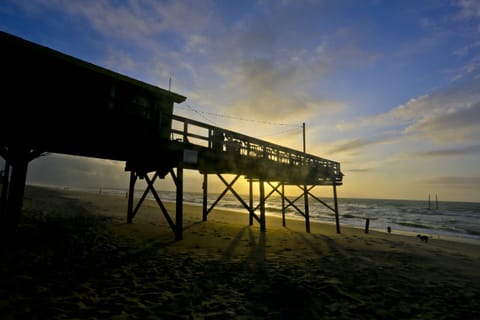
{"x":55,"y":103}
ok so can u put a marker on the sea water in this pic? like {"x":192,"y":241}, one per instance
{"x":450,"y":219}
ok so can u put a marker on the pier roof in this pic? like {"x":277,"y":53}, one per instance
{"x":20,"y":49}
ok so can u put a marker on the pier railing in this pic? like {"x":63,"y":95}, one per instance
{"x":204,"y":135}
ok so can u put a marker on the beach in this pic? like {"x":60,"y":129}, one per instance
{"x":75,"y":257}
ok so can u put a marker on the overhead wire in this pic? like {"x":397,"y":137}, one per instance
{"x":203,"y":113}
{"x":281,"y":133}
{"x":200,"y":113}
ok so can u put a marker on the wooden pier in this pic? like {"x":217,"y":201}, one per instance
{"x":83,"y":109}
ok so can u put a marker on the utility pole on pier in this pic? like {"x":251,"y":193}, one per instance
{"x":304,"y":139}
{"x":305,"y":189}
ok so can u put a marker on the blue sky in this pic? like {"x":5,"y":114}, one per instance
{"x":388,"y":88}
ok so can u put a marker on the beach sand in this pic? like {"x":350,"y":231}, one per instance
{"x":76,"y":258}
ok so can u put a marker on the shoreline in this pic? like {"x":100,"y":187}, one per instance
{"x":432,"y":233}
{"x":193,"y":216}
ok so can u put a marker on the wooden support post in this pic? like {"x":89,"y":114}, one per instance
{"x":262,"y":206}
{"x":335,"y":201}
{"x":18,"y":159}
{"x":131,"y":194}
{"x":16,"y":188}
{"x":250,"y":214}
{"x":367,"y":224}
{"x":205,"y":196}
{"x":305,"y":189}
{"x":5,"y":183}
{"x":179,"y":204}
{"x":283,"y":205}
{"x":185,"y":131}
{"x":19,"y":162}
{"x":307,"y":212}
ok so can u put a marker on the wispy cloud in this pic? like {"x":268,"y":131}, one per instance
{"x":358,"y":143}
{"x":457,"y":124}
{"x":400,"y":115}
{"x":468,"y":9}
{"x":133,"y":19}
{"x":457,"y":181}
{"x":359,"y":170}
{"x":461,"y":151}
{"x":272,"y":90}
{"x":453,"y":108}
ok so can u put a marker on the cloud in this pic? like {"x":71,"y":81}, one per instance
{"x":434,"y":115}
{"x":455,"y":181}
{"x":399,"y":116}
{"x":359,"y":170}
{"x":461,"y":151}
{"x":467,"y":49}
{"x":265,"y":82}
{"x":263,"y":89}
{"x":58,"y":169}
{"x":120,"y":59}
{"x":469,"y":9}
{"x":358,"y":143}
{"x":132,"y":19}
{"x":456,"y":124}
{"x":273,"y":71}
{"x":369,"y":165}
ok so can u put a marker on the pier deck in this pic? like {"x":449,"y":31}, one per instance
{"x":221,"y":151}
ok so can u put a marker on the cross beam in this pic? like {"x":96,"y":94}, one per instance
{"x":306,"y":193}
{"x":229,"y":187}
{"x":177,"y":226}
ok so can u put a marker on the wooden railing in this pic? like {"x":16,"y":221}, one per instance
{"x":204,"y":135}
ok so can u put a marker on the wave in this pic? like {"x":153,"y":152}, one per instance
{"x":413,"y":225}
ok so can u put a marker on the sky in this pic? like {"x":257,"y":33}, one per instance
{"x":390,"y":89}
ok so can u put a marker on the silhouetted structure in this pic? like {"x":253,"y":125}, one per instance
{"x":52,"y":102}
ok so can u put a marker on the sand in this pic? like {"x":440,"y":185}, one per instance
{"x":76,"y":258}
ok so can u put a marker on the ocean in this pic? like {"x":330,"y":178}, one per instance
{"x":451,"y":219}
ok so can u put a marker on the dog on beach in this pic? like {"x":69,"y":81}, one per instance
{"x":423,"y":238}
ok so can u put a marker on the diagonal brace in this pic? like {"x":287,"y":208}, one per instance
{"x":270,"y":193}
{"x":321,"y":201}
{"x":160,"y":203}
{"x":230,"y":187}
{"x":292,"y":203}
{"x":223,"y":193}
{"x":144,"y":195}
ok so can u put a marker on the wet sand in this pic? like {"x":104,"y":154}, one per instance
{"x":76,"y":258}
